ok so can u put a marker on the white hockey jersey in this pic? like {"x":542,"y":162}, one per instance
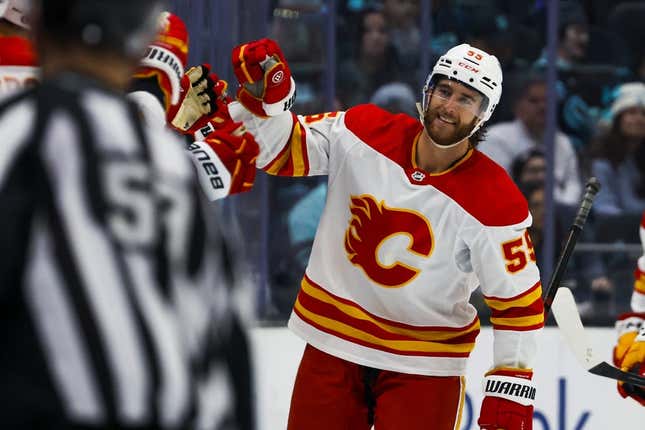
{"x":638,"y":296}
{"x":17,"y":65}
{"x":399,"y":251}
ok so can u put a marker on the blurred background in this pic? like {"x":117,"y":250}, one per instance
{"x":573,"y":106}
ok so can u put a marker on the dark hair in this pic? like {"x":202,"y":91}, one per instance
{"x":478,"y":136}
{"x":119,"y":26}
{"x":520,"y":85}
{"x":520,"y":161}
{"x":614,"y":147}
{"x":571,"y":13}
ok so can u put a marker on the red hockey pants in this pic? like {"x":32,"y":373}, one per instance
{"x":335,"y":394}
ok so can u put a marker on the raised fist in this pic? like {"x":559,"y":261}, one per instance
{"x":203,"y":97}
{"x":266,"y":86}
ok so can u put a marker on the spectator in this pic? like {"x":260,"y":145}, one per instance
{"x":581,"y":83}
{"x":374,"y":64}
{"x":403,"y":28}
{"x":529,"y":167}
{"x":396,"y":97}
{"x":507,"y":140}
{"x":619,"y":155}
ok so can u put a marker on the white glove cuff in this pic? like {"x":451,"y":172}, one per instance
{"x":641,"y":334}
{"x":628,"y":325}
{"x":164,"y":60}
{"x":516,"y":390}
{"x":214,"y":177}
{"x":638,"y":301}
{"x":274,"y":109}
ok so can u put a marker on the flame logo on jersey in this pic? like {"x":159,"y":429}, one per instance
{"x":371,"y":225}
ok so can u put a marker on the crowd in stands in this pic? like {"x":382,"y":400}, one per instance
{"x":600,"y":110}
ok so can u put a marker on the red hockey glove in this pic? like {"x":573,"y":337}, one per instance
{"x":203,"y":94}
{"x":225,"y":162}
{"x":629,"y":353}
{"x":266,"y":86}
{"x":508,"y":402}
{"x":204,"y":107}
{"x":627,"y":326}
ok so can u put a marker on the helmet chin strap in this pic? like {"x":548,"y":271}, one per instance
{"x":421,"y":118}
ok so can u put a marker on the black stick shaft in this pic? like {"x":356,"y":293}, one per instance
{"x":591,"y":189}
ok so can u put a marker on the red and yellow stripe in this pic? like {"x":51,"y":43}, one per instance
{"x":176,"y":42}
{"x":639,"y":283}
{"x":347,"y":320}
{"x":243,"y":65}
{"x":293,"y":159}
{"x":519,"y":313}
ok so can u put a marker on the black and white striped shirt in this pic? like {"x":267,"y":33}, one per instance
{"x":106,"y":277}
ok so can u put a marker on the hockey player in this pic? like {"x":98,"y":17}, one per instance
{"x":165,"y":94}
{"x":415,"y":219}
{"x":17,"y":58}
{"x":194,"y":103}
{"x":629,"y":353}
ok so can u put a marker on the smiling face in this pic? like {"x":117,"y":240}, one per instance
{"x":453,"y":111}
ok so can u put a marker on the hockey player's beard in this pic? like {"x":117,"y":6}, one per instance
{"x":460,"y":131}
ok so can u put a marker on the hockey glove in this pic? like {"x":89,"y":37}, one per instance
{"x":225,"y":162}
{"x":266,"y":86}
{"x":166,"y":57}
{"x":202,"y":94}
{"x":627,"y":326}
{"x":629,"y":353}
{"x":508,"y":402}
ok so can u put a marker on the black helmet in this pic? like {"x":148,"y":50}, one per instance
{"x":124,"y":26}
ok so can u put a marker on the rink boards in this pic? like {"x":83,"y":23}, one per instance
{"x":568,"y":397}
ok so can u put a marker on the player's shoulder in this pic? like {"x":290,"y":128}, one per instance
{"x":16,"y":51}
{"x":380,"y":128}
{"x":484,"y":190}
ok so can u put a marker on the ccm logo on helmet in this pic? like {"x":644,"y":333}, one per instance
{"x":468,"y":67}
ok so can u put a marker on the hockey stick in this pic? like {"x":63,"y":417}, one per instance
{"x":591,"y":189}
{"x":564,"y":306}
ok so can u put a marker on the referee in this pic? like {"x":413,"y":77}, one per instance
{"x":102,"y":242}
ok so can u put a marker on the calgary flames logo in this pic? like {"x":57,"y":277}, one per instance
{"x":373,"y":223}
